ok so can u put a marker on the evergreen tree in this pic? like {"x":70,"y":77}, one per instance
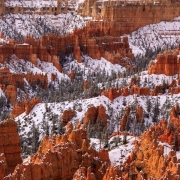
{"x":176,"y":143}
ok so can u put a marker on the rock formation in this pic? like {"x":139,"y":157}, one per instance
{"x":147,"y":159}
{"x":61,"y":157}
{"x":37,"y":79}
{"x":116,"y":18}
{"x":11,"y":94}
{"x":96,"y":115}
{"x":112,"y":93}
{"x":9,"y":146}
{"x":18,"y":109}
{"x":124,"y":119}
{"x":139,"y":114}
{"x":29,"y":105}
{"x":25,"y":106}
{"x":167,"y":63}
{"x":67,"y":116}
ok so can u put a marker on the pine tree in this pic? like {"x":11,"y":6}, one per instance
{"x":125,"y":138}
{"x":35,"y":138}
{"x":176,"y":143}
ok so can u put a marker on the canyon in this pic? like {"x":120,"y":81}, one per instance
{"x":89,"y":90}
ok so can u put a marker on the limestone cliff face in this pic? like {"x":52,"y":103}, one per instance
{"x":110,"y":19}
{"x":96,"y":115}
{"x":61,"y":157}
{"x":9,"y":146}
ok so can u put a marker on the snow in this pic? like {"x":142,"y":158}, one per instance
{"x":89,"y":65}
{"x":119,"y":154}
{"x":168,"y":148}
{"x":16,"y":25}
{"x":162,"y":35}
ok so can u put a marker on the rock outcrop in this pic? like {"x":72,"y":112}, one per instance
{"x":113,"y":93}
{"x":167,"y":63}
{"x":11,"y":94}
{"x":25,"y":106}
{"x":9,"y":146}
{"x":18,"y":109}
{"x":67,"y":116}
{"x":139,"y":114}
{"x":124,"y":119}
{"x":96,"y":115}
{"x":61,"y":157}
{"x":29,"y":105}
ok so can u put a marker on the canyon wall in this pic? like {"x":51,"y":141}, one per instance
{"x":117,"y":18}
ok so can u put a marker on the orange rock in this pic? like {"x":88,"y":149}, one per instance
{"x":60,"y":157}
{"x":67,"y":115}
{"x":77,"y":54}
{"x":29,"y":105}
{"x":147,"y":159}
{"x":96,"y":115}
{"x":139,"y":114}
{"x":37,"y":79}
{"x":9,"y":145}
{"x":173,"y":83}
{"x":18,"y":109}
{"x":91,"y":115}
{"x":112,"y":93}
{"x":11,"y":94}
{"x":157,"y":90}
{"x":53,"y":77}
{"x":3,"y":166}
{"x":167,"y":63}
{"x":101,"y":116}
{"x":85,"y":85}
{"x":72,"y":75}
{"x":124,"y":119}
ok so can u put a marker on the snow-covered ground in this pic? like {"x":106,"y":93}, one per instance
{"x":16,"y":25}
{"x":160,"y":36}
{"x":89,"y":66}
{"x":118,"y":152}
{"x":33,"y":4}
